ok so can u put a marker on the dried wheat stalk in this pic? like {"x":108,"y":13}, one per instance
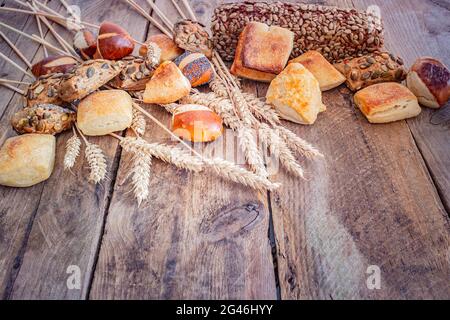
{"x":184,"y":160}
{"x":139,"y":124}
{"x":222,"y":106}
{"x":141,"y":170}
{"x":297,"y":144}
{"x":73,"y":146}
{"x":261,"y":110}
{"x":279,"y":148}
{"x":97,"y":162}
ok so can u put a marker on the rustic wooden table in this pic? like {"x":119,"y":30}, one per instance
{"x":380,"y":198}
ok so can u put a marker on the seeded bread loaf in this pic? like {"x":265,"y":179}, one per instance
{"x":45,"y":91}
{"x":336,"y":33}
{"x":134,"y":76}
{"x":87,"y":78}
{"x":371,"y":69}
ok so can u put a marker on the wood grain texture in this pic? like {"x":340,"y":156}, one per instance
{"x":371,"y":202}
{"x":18,"y":207}
{"x":197,"y":237}
{"x":69,"y":218}
{"x":423,"y":29}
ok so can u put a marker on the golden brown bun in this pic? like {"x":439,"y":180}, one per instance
{"x":113,"y":42}
{"x":387,"y":102}
{"x":239,"y":70}
{"x":296,"y":95}
{"x":429,"y":80}
{"x":105,"y":112}
{"x":196,"y":123}
{"x":266,"y":49}
{"x":27,"y":160}
{"x":167,"y":85}
{"x":262,"y":52}
{"x":169,"y":50}
{"x":327,"y":75}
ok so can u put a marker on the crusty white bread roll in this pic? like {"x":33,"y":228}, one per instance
{"x":167,"y":85}
{"x":429,"y":80}
{"x":262,"y":51}
{"x":105,"y":112}
{"x":196,"y":123}
{"x":169,"y":50}
{"x":387,"y":102}
{"x":327,"y":75}
{"x":27,"y":160}
{"x":296,"y":95}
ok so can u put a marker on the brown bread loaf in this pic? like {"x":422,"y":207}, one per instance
{"x":336,"y":33}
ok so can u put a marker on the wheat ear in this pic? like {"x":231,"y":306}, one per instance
{"x":184,"y":160}
{"x":97,"y":162}
{"x":138,"y":124}
{"x":73,"y":147}
{"x":280,"y":150}
{"x":141,"y":170}
{"x":297,"y":144}
{"x":171,"y":107}
{"x":260,"y":109}
{"x":222,"y":106}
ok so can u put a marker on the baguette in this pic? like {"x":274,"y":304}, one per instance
{"x":335,"y":33}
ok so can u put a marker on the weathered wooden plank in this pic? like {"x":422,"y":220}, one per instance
{"x":370,"y":202}
{"x":197,"y":236}
{"x":420,"y":30}
{"x":70,"y":216}
{"x":17,"y":206}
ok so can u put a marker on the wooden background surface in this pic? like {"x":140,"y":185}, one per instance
{"x":381,"y":198}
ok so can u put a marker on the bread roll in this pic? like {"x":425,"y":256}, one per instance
{"x":105,"y":112}
{"x":327,"y":75}
{"x":262,"y":51}
{"x":296,"y":95}
{"x":429,"y":80}
{"x":113,"y":42}
{"x":196,"y":123}
{"x":53,"y":64}
{"x":387,"y":102}
{"x":167,"y":85}
{"x":27,"y":160}
{"x":169,"y":50}
{"x":196,"y":67}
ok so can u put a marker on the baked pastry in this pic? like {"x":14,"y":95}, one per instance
{"x":134,"y":76}
{"x":335,"y":32}
{"x":169,"y":50}
{"x":45,"y":90}
{"x":113,"y":42}
{"x":44,"y":119}
{"x":191,"y":36}
{"x":88,"y":77}
{"x":327,"y":75}
{"x":167,"y":85}
{"x":196,"y":123}
{"x":85,"y":44}
{"x":429,"y":80}
{"x":196,"y":67}
{"x":105,"y":112}
{"x":27,"y":160}
{"x":53,"y":64}
{"x":296,"y":95}
{"x":371,"y":69}
{"x":387,"y":102}
{"x":262,"y":52}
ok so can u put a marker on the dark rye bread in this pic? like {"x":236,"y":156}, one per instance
{"x":334,"y":32}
